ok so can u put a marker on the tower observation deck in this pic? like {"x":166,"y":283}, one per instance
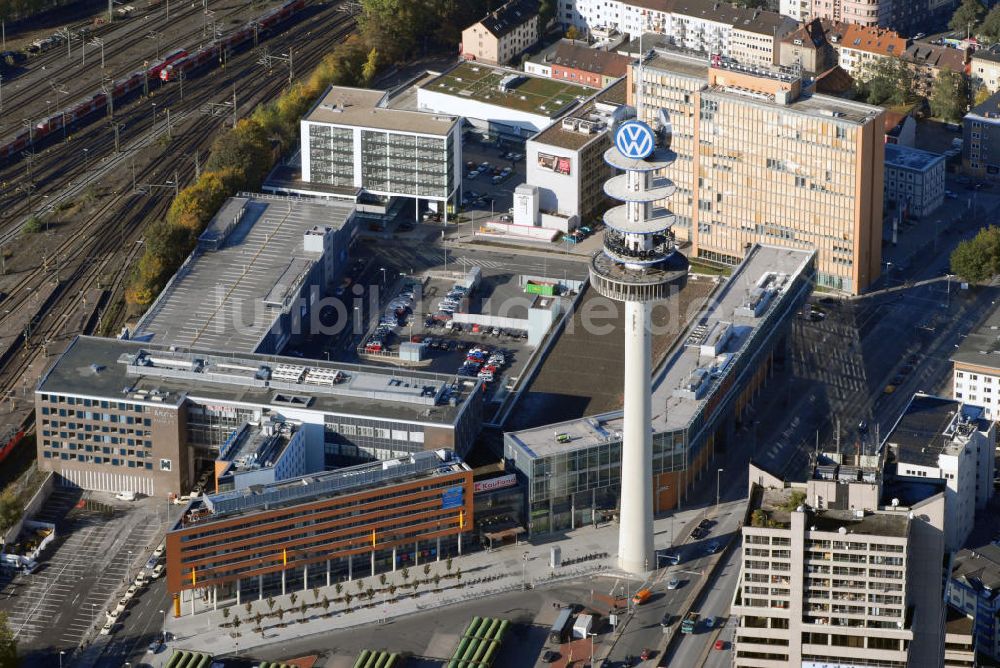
{"x":638,"y":264}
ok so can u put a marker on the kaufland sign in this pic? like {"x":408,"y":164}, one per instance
{"x":500,"y":482}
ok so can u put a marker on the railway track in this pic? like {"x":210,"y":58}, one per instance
{"x":121,"y":38}
{"x":25,"y":185}
{"x":93,"y":252}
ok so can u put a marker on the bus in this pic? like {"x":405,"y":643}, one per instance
{"x":561,"y":626}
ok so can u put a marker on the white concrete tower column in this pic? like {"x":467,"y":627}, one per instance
{"x":635,"y":532}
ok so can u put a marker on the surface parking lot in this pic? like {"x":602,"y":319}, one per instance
{"x":482,"y":184}
{"x":99,"y":542}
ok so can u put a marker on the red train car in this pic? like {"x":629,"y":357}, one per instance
{"x":14,"y":147}
{"x":127,"y":85}
{"x":153,"y":71}
{"x":189,"y":62}
{"x":10,"y":444}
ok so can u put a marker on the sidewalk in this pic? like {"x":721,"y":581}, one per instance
{"x":482,"y":574}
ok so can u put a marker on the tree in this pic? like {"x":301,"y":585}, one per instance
{"x":370,"y":593}
{"x":572,"y":33}
{"x":315,"y":594}
{"x":427,"y":570}
{"x":338,"y":588}
{"x":326,"y":604}
{"x":448,"y":564}
{"x":990,"y":28}
{"x":405,"y":574}
{"x":259,"y":621}
{"x":236,"y":624}
{"x":981,"y":95}
{"x":248,"y":607}
{"x":347,"y":601}
{"x":382,"y":579}
{"x":967,"y":17}
{"x":293,"y":597}
{"x":978,"y":259}
{"x":948,"y":96}
{"x":11,"y":510}
{"x":225,"y":613}
{"x":270,"y":603}
{"x":370,"y":68}
{"x":360,"y":584}
{"x":392,"y":589}
{"x":303,"y":609}
{"x":437,"y":580}
{"x":885,"y":81}
{"x":8,"y":644}
{"x":546,"y":12}
{"x":33,"y":225}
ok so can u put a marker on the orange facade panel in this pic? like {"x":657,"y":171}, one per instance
{"x":257,"y":543}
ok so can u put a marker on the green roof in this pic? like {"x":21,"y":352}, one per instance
{"x":532,"y":94}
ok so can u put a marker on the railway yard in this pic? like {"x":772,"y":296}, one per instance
{"x":77,"y":194}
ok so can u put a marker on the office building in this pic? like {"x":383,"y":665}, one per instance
{"x":565,"y":162}
{"x":774,"y":163}
{"x":976,"y":367}
{"x":120,"y":415}
{"x":352,"y":141}
{"x":834,"y":574}
{"x":914,"y":181}
{"x":974,"y":590}
{"x":309,"y":531}
{"x":981,"y":140}
{"x":250,"y":283}
{"x":950,"y":441}
{"x":502,"y":102}
{"x":571,"y":471}
{"x":503,"y":34}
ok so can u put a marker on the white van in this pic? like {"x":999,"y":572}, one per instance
{"x":125,"y":496}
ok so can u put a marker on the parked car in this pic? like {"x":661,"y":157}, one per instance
{"x":158,"y":552}
{"x":712,"y":548}
{"x":157,"y":572}
{"x":674,"y":583}
{"x":107,"y":628}
{"x":720,"y":644}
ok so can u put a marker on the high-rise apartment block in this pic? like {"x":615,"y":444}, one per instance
{"x":762,"y":160}
{"x":908,"y":16}
{"x":833,"y":576}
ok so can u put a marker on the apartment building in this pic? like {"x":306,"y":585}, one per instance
{"x":907,"y":16}
{"x":864,"y":44}
{"x":976,"y":367}
{"x":959,"y":640}
{"x":984,"y":68}
{"x":578,"y":63}
{"x":974,"y":590}
{"x":808,"y":47}
{"x":928,"y":60}
{"x":834,"y":574}
{"x":981,"y":140}
{"x":949,"y":441}
{"x":761,"y":160}
{"x":503,"y":34}
{"x":351,"y":140}
{"x":755,"y":37}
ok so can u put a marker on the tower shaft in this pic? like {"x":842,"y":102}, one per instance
{"x":635,"y":532}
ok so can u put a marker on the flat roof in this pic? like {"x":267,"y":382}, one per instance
{"x":361,"y":107}
{"x":904,"y":157}
{"x":149,"y":374}
{"x":981,"y":346}
{"x":691,"y":373}
{"x":256,"y":446}
{"x":303,"y":489}
{"x":528,"y":93}
{"x":667,"y":59}
{"x":597,"y":111}
{"x":891,"y":525}
{"x":262,"y":259}
{"x":932,"y":426}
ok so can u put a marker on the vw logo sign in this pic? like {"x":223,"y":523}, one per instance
{"x":635,"y":140}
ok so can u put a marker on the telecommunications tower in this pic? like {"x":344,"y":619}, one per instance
{"x":638,"y":265}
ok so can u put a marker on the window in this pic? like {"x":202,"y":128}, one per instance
{"x":165,"y":465}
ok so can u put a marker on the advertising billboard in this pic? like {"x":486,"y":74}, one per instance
{"x":554,"y":163}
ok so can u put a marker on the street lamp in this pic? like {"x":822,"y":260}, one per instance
{"x":61,"y":652}
{"x":718,"y":478}
{"x":164,"y":613}
{"x":383,"y":275}
{"x":591,"y":636}
{"x":524,"y":566}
